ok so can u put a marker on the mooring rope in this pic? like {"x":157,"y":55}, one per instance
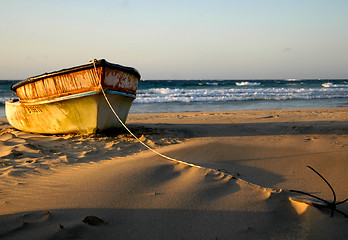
{"x":158,"y":153}
{"x":124,"y":125}
{"x":332,"y":205}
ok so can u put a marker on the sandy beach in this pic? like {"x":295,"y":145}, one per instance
{"x":236,"y":185}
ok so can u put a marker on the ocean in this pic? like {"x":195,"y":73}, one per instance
{"x":225,"y":95}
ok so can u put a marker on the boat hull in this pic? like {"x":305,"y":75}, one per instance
{"x":71,"y":100}
{"x":80,"y":113}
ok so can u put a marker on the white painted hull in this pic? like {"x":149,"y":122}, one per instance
{"x":80,"y":113}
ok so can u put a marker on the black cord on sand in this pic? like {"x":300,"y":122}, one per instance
{"x":331,"y":205}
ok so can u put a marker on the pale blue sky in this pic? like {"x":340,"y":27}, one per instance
{"x":181,"y":39}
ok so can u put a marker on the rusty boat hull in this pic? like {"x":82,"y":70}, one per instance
{"x":71,"y":100}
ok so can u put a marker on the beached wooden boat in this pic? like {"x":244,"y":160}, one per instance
{"x":71,"y":100}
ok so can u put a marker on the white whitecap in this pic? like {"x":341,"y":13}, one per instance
{"x":327,"y":85}
{"x":248,"y":83}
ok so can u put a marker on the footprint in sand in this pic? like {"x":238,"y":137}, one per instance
{"x":310,"y":139}
{"x":15,"y":154}
{"x":93,"y":220}
{"x":271,"y":116}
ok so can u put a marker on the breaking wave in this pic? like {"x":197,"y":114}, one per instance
{"x":248,"y":83}
{"x":157,"y":95}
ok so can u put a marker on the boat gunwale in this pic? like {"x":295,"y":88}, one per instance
{"x":72,"y":96}
{"x":98,"y":63}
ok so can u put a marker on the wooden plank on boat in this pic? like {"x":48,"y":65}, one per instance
{"x":126,"y":82}
{"x":77,"y":80}
{"x":59,"y":85}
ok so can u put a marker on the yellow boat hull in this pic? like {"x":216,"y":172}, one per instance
{"x":80,"y":113}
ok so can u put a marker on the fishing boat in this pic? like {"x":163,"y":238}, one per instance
{"x":74,"y":100}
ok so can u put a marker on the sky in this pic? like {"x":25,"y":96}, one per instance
{"x":181,"y":39}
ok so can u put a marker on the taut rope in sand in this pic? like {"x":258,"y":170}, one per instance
{"x":124,"y":125}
